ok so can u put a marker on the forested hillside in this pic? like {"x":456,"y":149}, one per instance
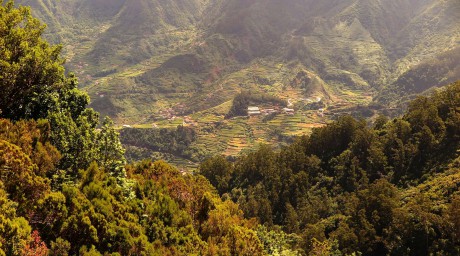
{"x":390,"y":189}
{"x":349,"y":188}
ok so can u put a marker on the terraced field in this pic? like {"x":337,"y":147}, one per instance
{"x":232,"y":137}
{"x":164,"y":67}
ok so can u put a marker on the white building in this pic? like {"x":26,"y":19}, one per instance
{"x":289,"y":111}
{"x":253,"y":111}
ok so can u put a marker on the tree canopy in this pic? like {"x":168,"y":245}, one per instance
{"x":32,"y":78}
{"x":387,"y":189}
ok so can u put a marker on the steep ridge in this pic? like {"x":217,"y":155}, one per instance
{"x":438,"y":71}
{"x":110,"y":29}
{"x":434,"y":30}
{"x":133,"y":32}
{"x":364,"y":37}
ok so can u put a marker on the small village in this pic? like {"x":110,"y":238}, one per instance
{"x":256,"y":111}
{"x":262,"y":122}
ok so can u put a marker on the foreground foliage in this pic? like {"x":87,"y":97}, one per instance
{"x":387,"y":189}
{"x":152,"y":209}
{"x":64,"y":185}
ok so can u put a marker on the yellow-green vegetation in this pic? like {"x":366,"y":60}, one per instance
{"x":345,"y":188}
{"x":390,"y":189}
{"x":65,"y":188}
{"x":217,"y":132}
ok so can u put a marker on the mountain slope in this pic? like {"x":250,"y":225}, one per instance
{"x":141,"y":57}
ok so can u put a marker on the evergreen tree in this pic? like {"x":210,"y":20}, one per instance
{"x":32,"y":79}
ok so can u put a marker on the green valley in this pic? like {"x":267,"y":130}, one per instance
{"x":188,"y":59}
{"x":230,"y":127}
